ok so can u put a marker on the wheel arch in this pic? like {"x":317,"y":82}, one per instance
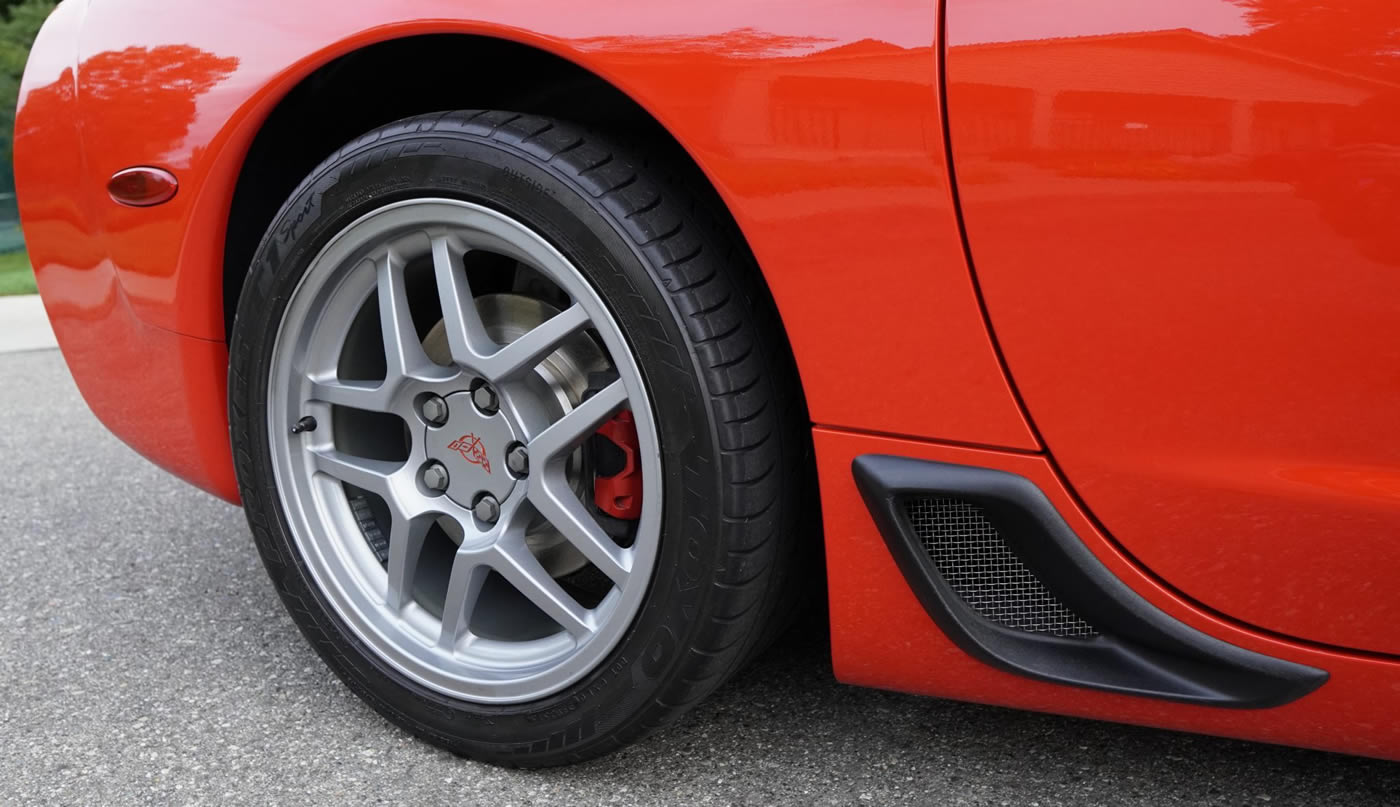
{"x":384,"y":79}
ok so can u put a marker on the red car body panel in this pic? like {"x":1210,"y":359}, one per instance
{"x":811,"y":154}
{"x":1215,"y":458}
{"x":1199,"y":225}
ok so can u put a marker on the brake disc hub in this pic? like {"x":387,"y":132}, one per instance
{"x":563,"y":380}
{"x":472,"y":445}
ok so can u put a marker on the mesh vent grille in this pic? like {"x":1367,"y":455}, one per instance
{"x":985,"y":573}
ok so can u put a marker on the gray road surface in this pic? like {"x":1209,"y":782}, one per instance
{"x":144,"y":659}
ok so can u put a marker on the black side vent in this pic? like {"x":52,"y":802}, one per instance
{"x":984,"y":549}
{"x":983,"y":571}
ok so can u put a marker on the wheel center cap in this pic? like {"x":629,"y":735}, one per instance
{"x":472,"y":446}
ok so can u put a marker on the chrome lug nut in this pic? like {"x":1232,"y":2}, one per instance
{"x":487,"y":508}
{"x":435,"y":477}
{"x":434,"y":410}
{"x":485,"y":399}
{"x":518,"y":460}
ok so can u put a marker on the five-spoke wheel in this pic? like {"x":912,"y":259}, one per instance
{"x":465,"y":386}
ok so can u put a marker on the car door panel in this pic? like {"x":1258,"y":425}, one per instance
{"x":1182,"y":222}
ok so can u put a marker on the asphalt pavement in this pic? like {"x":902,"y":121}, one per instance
{"x":144,"y":659}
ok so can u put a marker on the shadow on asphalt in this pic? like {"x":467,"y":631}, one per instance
{"x":787,"y":712}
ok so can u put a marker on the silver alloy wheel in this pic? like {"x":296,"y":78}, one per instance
{"x":319,"y":479}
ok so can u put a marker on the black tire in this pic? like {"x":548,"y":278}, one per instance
{"x":731,"y":420}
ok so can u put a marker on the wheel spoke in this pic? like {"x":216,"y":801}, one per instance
{"x":403,"y":351}
{"x":570,"y":430}
{"x":374,"y":476}
{"x":467,"y":339}
{"x":530,"y":349}
{"x":551,"y":497}
{"x":470,"y":568}
{"x":373,"y":397}
{"x":463,"y":590}
{"x":406,"y":538}
{"x":524,"y":571}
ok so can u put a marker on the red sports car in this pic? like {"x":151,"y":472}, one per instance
{"x":560,"y":354}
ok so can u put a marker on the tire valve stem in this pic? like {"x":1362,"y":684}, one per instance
{"x":306,"y":424}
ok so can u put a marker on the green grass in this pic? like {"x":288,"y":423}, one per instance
{"x":15,"y":275}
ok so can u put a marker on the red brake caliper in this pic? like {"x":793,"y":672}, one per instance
{"x":620,"y":495}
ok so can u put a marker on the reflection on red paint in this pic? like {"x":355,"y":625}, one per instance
{"x":1187,"y":244}
{"x":820,"y":122}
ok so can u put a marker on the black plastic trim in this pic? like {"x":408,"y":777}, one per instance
{"x":1139,"y":650}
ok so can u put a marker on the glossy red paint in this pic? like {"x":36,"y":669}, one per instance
{"x":1146,"y":236}
{"x":882,"y":637}
{"x":1182,"y":216}
{"x":157,"y":390}
{"x":822,"y":128}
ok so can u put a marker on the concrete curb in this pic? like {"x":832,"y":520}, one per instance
{"x":24,"y":325}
